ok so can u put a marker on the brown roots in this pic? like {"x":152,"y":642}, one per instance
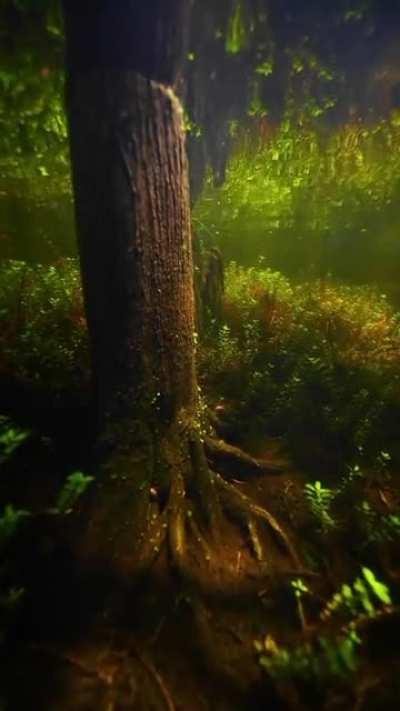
{"x":202,"y":527}
{"x":233,"y":462}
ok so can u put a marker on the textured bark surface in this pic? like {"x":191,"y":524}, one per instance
{"x":133,"y":221}
{"x":132,"y":207}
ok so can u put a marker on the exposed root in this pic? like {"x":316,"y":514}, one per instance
{"x":200,"y":556}
{"x":126,"y":529}
{"x":258,"y":547}
{"x":203,"y":489}
{"x":232,"y":462}
{"x":237,"y":502}
{"x":177,"y":524}
{"x":200,"y":538}
{"x":153,"y":673}
{"x":201,"y":522}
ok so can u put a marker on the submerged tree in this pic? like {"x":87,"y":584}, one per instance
{"x":154,"y":488}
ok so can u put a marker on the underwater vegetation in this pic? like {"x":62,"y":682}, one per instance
{"x":43,"y":334}
{"x":316,"y":362}
{"x":365,"y":599}
{"x":208,"y":519}
{"x":312,"y":199}
{"x":314,"y":366}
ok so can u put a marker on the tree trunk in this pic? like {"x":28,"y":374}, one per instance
{"x":133,"y":222}
{"x":153,"y":485}
{"x":132,"y":205}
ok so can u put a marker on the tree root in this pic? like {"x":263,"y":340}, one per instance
{"x":158,"y":680}
{"x":196,"y":549}
{"x":233,"y":462}
{"x":239,"y":503}
{"x":200,"y":522}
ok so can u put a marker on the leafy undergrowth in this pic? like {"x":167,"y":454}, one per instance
{"x":308,"y":373}
{"x":324,"y":666}
{"x":310,"y":199}
{"x":317,"y":363}
{"x":316,"y":366}
{"x":43,"y":334}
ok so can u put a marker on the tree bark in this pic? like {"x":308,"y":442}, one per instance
{"x":133,"y":223}
{"x":153,"y":486}
{"x":132,"y":207}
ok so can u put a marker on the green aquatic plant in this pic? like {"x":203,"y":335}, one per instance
{"x":32,"y":123}
{"x":366,"y":596}
{"x":324,"y":348}
{"x":353,"y":475}
{"x":11,"y":438}
{"x":33,"y":130}
{"x":377,"y":527}
{"x":318,"y":661}
{"x":227,"y":346}
{"x":237,"y":31}
{"x":332,"y":653}
{"x":75,"y":485}
{"x":299,"y":195}
{"x":245,"y":286}
{"x":10,"y":520}
{"x":300,"y":589}
{"x":43,"y":335}
{"x":319,"y":499}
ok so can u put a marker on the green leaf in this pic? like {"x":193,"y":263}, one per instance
{"x":74,"y":487}
{"x":10,"y":520}
{"x":299,"y":587}
{"x":364,"y":598}
{"x":237,"y":34}
{"x":380,"y":590}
